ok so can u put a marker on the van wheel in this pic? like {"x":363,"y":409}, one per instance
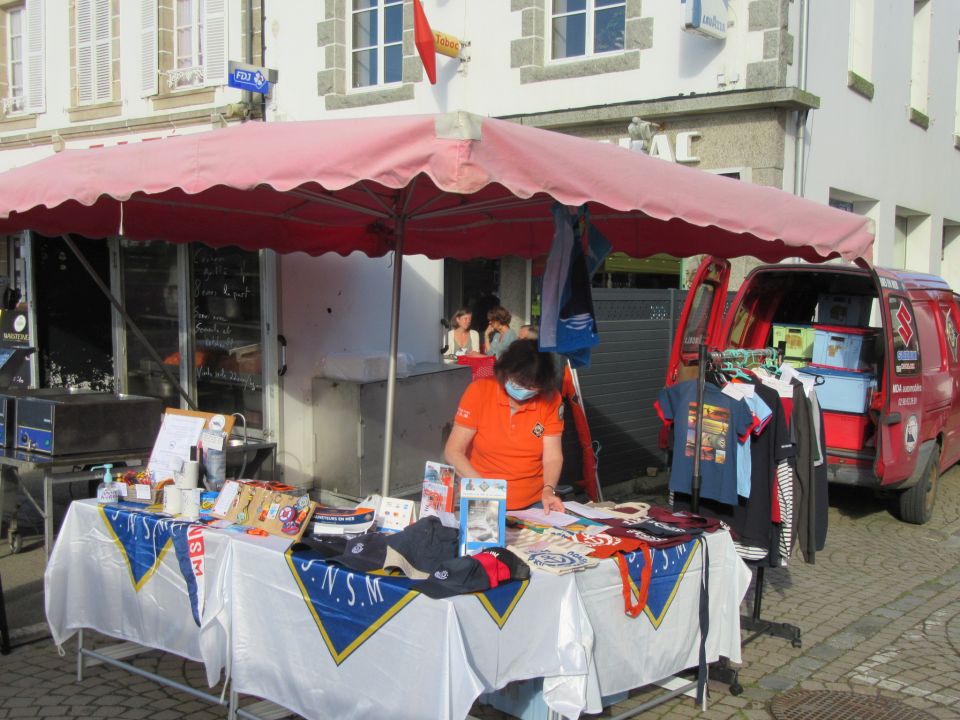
{"x":916,"y":504}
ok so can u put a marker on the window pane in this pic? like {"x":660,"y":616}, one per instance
{"x":393,"y":24}
{"x":16,"y":48}
{"x":393,"y":63}
{"x":365,"y":29}
{"x":16,"y":78}
{"x":393,"y":2}
{"x":569,"y":36}
{"x":365,"y":68}
{"x":184,"y":49}
{"x":16,"y":22}
{"x":608,"y":30}
{"x":565,"y":6}
{"x":604,"y":3}
{"x":364,"y":4}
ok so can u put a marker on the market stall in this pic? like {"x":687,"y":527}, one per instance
{"x":454,"y":185}
{"x":126,"y":572}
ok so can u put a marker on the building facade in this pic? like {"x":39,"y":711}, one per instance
{"x":852,"y":102}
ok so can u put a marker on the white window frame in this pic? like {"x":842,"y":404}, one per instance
{"x":191,"y":75}
{"x":920,"y":55}
{"x":591,"y":13}
{"x":16,"y":103}
{"x":381,"y":46}
{"x":860,"y":60}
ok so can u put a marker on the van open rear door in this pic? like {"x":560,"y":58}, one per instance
{"x":901,"y":406}
{"x":701,"y":319}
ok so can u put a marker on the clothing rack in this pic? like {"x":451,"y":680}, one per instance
{"x":753,"y":623}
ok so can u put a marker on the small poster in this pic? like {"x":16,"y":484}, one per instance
{"x":395,"y":514}
{"x":437,"y":489}
{"x":483,"y":514}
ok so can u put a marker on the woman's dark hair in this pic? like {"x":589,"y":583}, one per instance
{"x":500,"y":315}
{"x":523,"y":363}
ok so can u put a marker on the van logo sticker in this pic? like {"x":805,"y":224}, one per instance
{"x":906,"y":332}
{"x":951,"y":332}
{"x":911,"y":431}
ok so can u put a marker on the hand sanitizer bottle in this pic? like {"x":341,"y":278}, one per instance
{"x":107,"y":492}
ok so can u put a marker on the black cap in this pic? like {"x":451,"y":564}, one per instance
{"x":468,"y":574}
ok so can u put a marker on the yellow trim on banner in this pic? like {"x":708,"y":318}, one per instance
{"x":499,"y":619}
{"x":362,"y":637}
{"x":123,"y":552}
{"x":656,"y":620}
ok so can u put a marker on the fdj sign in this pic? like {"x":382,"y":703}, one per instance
{"x":251,"y":78}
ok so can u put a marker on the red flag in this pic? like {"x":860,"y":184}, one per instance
{"x":423,"y":39}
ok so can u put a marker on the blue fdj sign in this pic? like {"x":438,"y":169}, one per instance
{"x":252,"y":80}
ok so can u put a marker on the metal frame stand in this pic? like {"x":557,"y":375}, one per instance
{"x":4,"y":628}
{"x":758,"y":626}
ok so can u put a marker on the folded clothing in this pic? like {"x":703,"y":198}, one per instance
{"x":684,"y":519}
{"x":416,"y":551}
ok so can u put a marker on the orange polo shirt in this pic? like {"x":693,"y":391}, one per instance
{"x":509,"y":445}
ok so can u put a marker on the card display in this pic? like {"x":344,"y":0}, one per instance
{"x":483,"y":514}
{"x":255,"y":506}
{"x":437,"y":489}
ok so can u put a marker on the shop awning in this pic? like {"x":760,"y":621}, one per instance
{"x":456,"y":185}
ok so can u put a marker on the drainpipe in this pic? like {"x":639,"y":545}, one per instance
{"x":798,"y":159}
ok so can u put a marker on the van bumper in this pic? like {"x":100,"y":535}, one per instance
{"x":852,"y":475}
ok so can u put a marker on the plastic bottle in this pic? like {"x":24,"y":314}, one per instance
{"x":107,"y":492}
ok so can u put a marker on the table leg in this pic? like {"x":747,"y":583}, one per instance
{"x":80,"y":655}
{"x":232,"y":705}
{"x":4,"y":630}
{"x":47,"y":513}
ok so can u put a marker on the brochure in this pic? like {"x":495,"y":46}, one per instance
{"x":437,"y":488}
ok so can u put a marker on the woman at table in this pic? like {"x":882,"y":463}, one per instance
{"x":509,"y":427}
{"x":461,"y":339}
{"x":498,"y":335}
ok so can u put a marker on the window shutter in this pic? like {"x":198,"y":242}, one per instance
{"x":34,"y":57}
{"x":149,"y":84}
{"x":84,"y":52}
{"x":215,"y":42}
{"x":103,"y":75}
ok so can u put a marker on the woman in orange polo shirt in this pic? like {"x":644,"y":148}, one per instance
{"x":509,"y":427}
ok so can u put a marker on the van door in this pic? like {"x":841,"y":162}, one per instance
{"x":950,"y":315}
{"x":701,"y":318}
{"x":902,"y":409}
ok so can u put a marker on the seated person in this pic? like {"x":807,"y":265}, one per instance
{"x":461,"y":339}
{"x":498,"y":335}
{"x":510,"y":427}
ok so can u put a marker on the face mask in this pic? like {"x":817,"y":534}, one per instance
{"x":518,"y":393}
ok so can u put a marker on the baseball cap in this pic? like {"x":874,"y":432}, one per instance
{"x":417,"y":550}
{"x":364,"y":553}
{"x":474,"y":573}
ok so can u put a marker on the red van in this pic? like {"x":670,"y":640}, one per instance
{"x":906,"y":431}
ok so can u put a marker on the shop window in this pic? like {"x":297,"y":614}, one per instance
{"x":94,"y":52}
{"x":586,"y":27}
{"x":376,"y":42}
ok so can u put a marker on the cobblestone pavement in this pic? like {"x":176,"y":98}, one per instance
{"x":879,"y":612}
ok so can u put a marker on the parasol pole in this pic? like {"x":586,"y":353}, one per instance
{"x":392,"y":360}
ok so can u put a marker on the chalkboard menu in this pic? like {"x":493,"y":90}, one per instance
{"x":227,"y":332}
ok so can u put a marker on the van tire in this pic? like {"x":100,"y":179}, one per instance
{"x":916,"y":504}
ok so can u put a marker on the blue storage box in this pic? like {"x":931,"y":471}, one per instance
{"x":523,"y":699}
{"x":842,"y":390}
{"x":839,"y":347}
{"x":843,"y":309}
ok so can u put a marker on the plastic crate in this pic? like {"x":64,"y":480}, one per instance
{"x":798,"y":343}
{"x":839,"y":347}
{"x":846,"y":431}
{"x":842,"y":390}
{"x":843,"y":309}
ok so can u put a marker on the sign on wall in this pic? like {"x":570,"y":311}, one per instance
{"x":706,"y":17}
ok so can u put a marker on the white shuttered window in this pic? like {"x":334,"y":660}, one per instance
{"x":35,"y":91}
{"x":149,"y":61}
{"x":214,"y":35}
{"x":94,"y":52}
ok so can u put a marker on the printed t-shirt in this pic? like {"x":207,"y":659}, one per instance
{"x":725,"y":422}
{"x":509,"y":446}
{"x":762,"y":412}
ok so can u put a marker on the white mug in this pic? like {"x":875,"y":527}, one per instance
{"x":190,"y":504}
{"x":172,"y":501}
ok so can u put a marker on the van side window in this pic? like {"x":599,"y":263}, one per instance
{"x":951,"y":321}
{"x":906,"y":345}
{"x":932,"y":345}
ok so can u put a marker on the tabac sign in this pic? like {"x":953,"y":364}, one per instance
{"x":706,"y":17}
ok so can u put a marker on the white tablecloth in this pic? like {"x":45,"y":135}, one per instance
{"x":328,"y":643}
{"x":119,"y":572}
